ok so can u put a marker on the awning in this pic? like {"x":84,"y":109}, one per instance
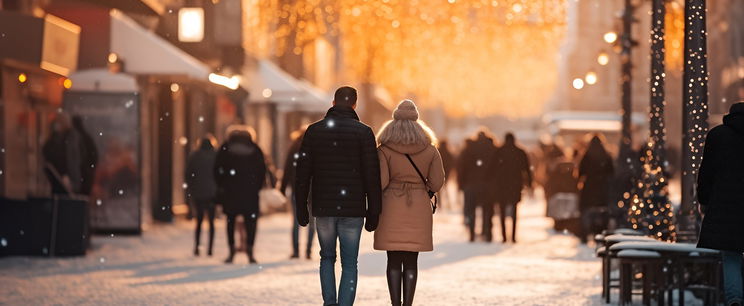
{"x":145,"y":7}
{"x":268,"y":83}
{"x":143,"y":52}
{"x":102,"y":80}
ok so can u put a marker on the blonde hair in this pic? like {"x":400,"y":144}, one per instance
{"x":406,"y":132}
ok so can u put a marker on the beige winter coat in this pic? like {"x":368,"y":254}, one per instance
{"x":406,"y":219}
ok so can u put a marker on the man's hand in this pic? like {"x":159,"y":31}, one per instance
{"x":371,"y":224}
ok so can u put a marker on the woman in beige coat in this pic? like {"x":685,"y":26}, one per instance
{"x":405,"y":226}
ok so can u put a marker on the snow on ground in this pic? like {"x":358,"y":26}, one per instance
{"x":543,"y":268}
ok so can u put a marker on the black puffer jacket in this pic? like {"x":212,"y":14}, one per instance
{"x":338,"y":162}
{"x":721,"y":184}
{"x":240,"y":172}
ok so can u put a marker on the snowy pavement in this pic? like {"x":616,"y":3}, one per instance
{"x":157,"y":268}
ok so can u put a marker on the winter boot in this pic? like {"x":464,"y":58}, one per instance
{"x":230,"y":257}
{"x":409,"y":286}
{"x":249,"y":251}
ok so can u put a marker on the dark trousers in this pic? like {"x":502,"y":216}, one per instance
{"x":251,"y":222}
{"x":473,"y":201}
{"x":296,"y":232}
{"x":208,"y":208}
{"x":502,"y":211}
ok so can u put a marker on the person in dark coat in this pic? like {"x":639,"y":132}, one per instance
{"x":288,"y":178}
{"x":448,"y":159}
{"x":62,"y":156}
{"x":562,"y":180}
{"x":88,"y":156}
{"x":201,"y":188}
{"x":595,"y":173}
{"x":719,"y":189}
{"x":339,"y":164}
{"x":240,"y":173}
{"x":474,"y":179}
{"x":512,"y":170}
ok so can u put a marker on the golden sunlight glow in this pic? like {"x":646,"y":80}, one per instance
{"x":22,"y":78}
{"x":498,"y":57}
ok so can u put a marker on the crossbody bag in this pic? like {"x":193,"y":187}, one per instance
{"x":433,"y":198}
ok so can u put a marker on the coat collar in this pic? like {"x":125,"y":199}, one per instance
{"x":339,"y":111}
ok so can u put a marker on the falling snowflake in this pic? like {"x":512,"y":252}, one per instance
{"x":129,"y":104}
{"x":232,"y":172}
{"x":201,"y":118}
{"x":296,"y":156}
{"x":100,"y":133}
{"x":331,"y":123}
{"x":99,"y":202}
{"x":253,"y":216}
{"x":185,"y":185}
{"x":3,"y":242}
{"x":343,"y":192}
{"x":101,"y":260}
{"x":121,"y":191}
{"x":479,"y":163}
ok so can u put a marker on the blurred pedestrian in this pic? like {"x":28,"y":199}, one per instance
{"x":721,"y":198}
{"x":240,"y":173}
{"x":62,"y":156}
{"x":448,"y":162}
{"x":474,"y":179}
{"x":338,"y":162}
{"x":201,"y":187}
{"x":88,"y":156}
{"x":407,"y":155}
{"x":288,"y":179}
{"x":512,"y":171}
{"x":595,"y":173}
{"x":561,"y":192}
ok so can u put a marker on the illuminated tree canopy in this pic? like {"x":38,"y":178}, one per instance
{"x":466,"y":56}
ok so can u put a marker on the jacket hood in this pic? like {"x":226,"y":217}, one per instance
{"x":340,"y":111}
{"x":735,"y":118}
{"x":406,"y":149}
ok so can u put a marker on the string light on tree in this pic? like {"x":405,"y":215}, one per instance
{"x":694,"y":107}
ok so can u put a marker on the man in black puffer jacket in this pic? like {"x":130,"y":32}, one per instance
{"x":338,"y":162}
{"x":720,"y":192}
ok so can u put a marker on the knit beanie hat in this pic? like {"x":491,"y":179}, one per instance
{"x":406,"y":110}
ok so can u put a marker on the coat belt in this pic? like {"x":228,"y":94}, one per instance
{"x":400,"y":189}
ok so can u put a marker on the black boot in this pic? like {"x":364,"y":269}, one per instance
{"x":196,"y":251}
{"x":230,"y":257}
{"x":249,"y":251}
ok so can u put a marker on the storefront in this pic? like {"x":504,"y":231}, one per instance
{"x":36,"y":56}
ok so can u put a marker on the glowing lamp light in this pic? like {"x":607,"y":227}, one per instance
{"x":67,"y":83}
{"x":610,"y":37}
{"x":517,"y":7}
{"x":590,"y":78}
{"x":112,"y":57}
{"x":22,"y":78}
{"x":578,"y":83}
{"x":191,"y":24}
{"x":603,"y":58}
{"x":229,"y":82}
{"x":174,"y":87}
{"x":266,"y":93}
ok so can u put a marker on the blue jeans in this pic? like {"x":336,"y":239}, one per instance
{"x":348,"y":231}
{"x":296,"y":232}
{"x":733,"y":287}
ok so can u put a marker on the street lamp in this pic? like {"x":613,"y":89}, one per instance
{"x":191,"y":24}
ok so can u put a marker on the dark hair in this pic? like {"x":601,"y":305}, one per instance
{"x":345,"y":95}
{"x":509,"y":138}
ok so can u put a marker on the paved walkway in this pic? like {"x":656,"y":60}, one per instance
{"x":544,"y":268}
